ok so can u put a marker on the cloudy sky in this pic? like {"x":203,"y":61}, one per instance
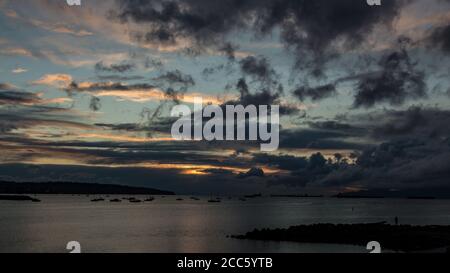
{"x":85,"y":92}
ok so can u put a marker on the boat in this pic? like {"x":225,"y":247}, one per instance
{"x":115,"y":200}
{"x":98,"y":200}
{"x":214,"y":201}
{"x":150,"y":199}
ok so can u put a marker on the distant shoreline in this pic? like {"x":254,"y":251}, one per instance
{"x":75,"y":188}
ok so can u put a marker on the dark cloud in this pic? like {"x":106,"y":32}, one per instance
{"x":218,"y":171}
{"x":117,"y":78}
{"x":201,"y":20}
{"x":404,"y":163}
{"x":417,"y":122}
{"x":14,"y":98}
{"x":141,"y":59}
{"x":306,"y":26}
{"x":319,"y":27}
{"x":175,"y":80}
{"x":229,"y":50}
{"x":208,"y":71}
{"x":29,"y":116}
{"x":331,"y":125}
{"x":284,"y":162}
{"x":308,"y":171}
{"x":153,"y":63}
{"x":118,"y":68}
{"x":159,"y":125}
{"x":175,"y":84}
{"x":264,"y":87}
{"x":106,"y":86}
{"x":259,"y":69}
{"x":315,"y":93}
{"x":22,"y":109}
{"x":319,"y":139}
{"x":397,"y":81}
{"x":395,"y":165}
{"x":263,"y":96}
{"x":253,"y":172}
{"x":11,"y":96}
{"x":440,"y":38}
{"x":95,"y":104}
{"x":414,"y":152}
{"x":133,"y":127}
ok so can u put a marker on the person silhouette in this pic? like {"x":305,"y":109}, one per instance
{"x":396,"y":220}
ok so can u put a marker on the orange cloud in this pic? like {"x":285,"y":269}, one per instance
{"x":56,"y":27}
{"x":56,"y":100}
{"x":60,"y":28}
{"x":11,"y":13}
{"x":16,"y":51}
{"x":156,"y":94}
{"x":55,"y":80}
{"x":145,"y":94}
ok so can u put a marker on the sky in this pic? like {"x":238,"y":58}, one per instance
{"x":86,"y":93}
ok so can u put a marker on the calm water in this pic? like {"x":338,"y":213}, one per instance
{"x":167,"y":225}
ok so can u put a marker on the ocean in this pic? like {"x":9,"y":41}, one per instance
{"x":167,"y":225}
